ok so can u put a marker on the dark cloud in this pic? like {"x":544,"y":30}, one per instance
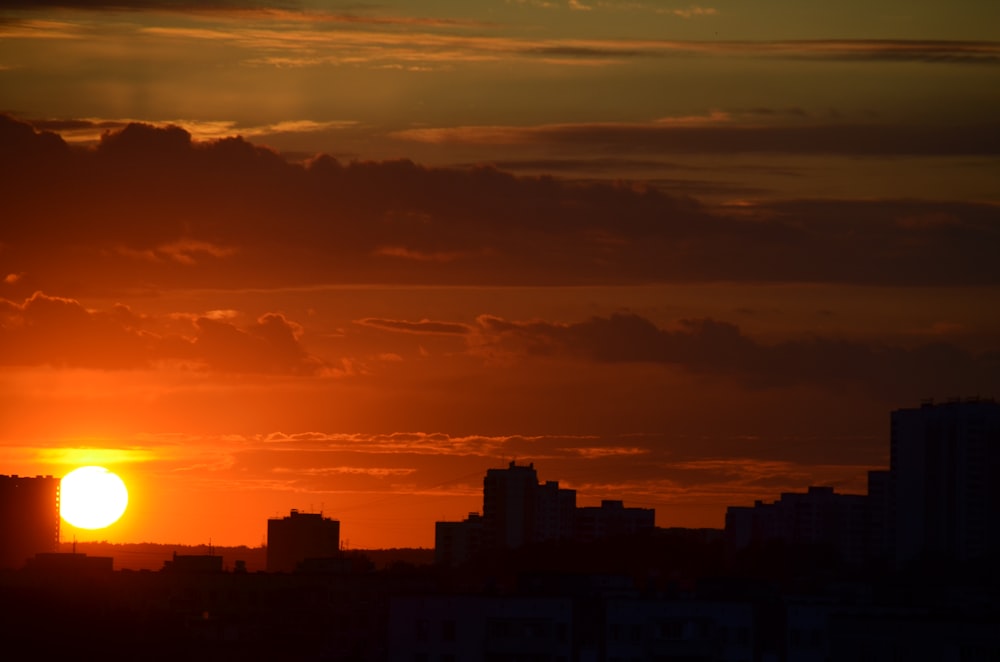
{"x":421,"y":327}
{"x":840,"y":139}
{"x":100,"y":5}
{"x":905,"y":50}
{"x":270,"y":345}
{"x":583,"y":52}
{"x":888,"y":50}
{"x":60,"y":125}
{"x":149,"y":207}
{"x":714,"y":347}
{"x":47,"y":330}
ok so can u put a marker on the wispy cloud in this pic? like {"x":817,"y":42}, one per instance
{"x":90,"y":130}
{"x":375,"y":472}
{"x":421,"y":327}
{"x":44,"y":29}
{"x":694,"y":11}
{"x":418,"y":255}
{"x":184,"y":251}
{"x":717,"y":133}
{"x":59,"y":331}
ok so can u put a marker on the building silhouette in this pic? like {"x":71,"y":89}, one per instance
{"x":520,"y":511}
{"x":29,"y":518}
{"x":59,"y":564}
{"x":193,"y":563}
{"x":879,"y":514}
{"x":612,"y":518}
{"x":939,"y":499}
{"x":455,"y":542}
{"x":517,"y":510}
{"x":944,"y":495}
{"x":300,"y":536}
{"x":820,"y":516}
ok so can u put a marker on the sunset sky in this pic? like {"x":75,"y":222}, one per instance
{"x":345,"y":257}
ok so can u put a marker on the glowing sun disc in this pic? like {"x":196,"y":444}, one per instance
{"x":92,"y":498}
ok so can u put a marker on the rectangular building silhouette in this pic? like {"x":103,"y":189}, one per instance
{"x":300,"y":536}
{"x":519,"y":511}
{"x":944,"y":490}
{"x":29,"y":518}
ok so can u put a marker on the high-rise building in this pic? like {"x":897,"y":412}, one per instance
{"x":518,"y":511}
{"x":509,"y":505}
{"x":944,"y":492}
{"x":298,"y":537}
{"x":879,"y":514}
{"x":29,"y":518}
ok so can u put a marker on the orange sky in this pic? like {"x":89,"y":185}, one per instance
{"x":680,"y":269}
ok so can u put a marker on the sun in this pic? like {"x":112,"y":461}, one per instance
{"x":92,"y":498}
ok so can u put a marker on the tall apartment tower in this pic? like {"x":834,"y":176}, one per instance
{"x":29,"y":518}
{"x":300,"y":536}
{"x":944,"y":492}
{"x":509,"y":506}
{"x":517,"y":510}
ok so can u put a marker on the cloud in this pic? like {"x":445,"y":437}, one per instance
{"x":39,"y":29}
{"x":183,"y":251}
{"x":694,"y":11}
{"x":58,"y":331}
{"x":409,"y":443}
{"x":421,"y":327}
{"x":711,"y":135}
{"x":277,"y":34}
{"x":419,"y":256}
{"x":117,"y":5}
{"x":707,"y":346}
{"x":151,"y":208}
{"x":294,"y":11}
{"x":375,"y":472}
{"x":270,"y":345}
{"x":598,"y":452}
{"x":91,"y":130}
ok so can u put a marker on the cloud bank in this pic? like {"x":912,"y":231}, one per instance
{"x":60,"y":332}
{"x":150,"y":207}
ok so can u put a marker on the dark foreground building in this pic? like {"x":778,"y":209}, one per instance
{"x":943,"y":481}
{"x":29,"y":518}
{"x":939,"y":501}
{"x":300,"y":536}
{"x":520,"y":511}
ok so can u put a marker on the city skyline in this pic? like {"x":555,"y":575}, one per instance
{"x":262,"y":256}
{"x":934,"y":503}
